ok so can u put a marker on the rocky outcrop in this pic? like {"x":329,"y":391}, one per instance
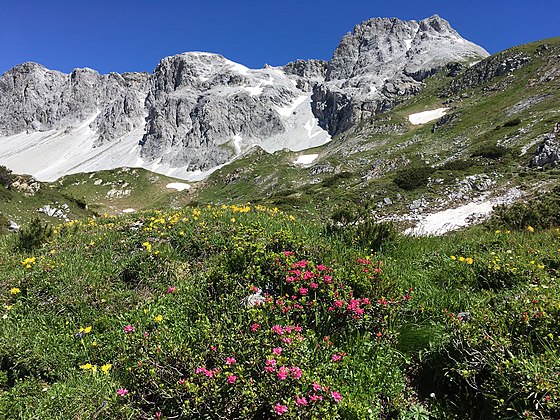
{"x":382,"y":62}
{"x":204,"y":109}
{"x":548,"y":153}
{"x":486,"y":70}
{"x":306,"y":73}
{"x":33,"y":98}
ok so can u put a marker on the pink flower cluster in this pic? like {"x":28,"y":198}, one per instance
{"x":206,"y":372}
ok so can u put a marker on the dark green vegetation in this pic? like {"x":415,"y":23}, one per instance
{"x":148,"y":315}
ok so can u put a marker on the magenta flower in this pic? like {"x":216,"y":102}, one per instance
{"x":328,"y":279}
{"x":287,"y":340}
{"x":283,"y":373}
{"x":277,"y":351}
{"x":321,"y":267}
{"x":302,"y":291}
{"x":336,"y":396}
{"x":316,"y":386}
{"x":336,"y":357}
{"x":230,"y":361}
{"x":301,"y":400}
{"x":296,"y":372}
{"x":313,"y":285}
{"x":121,"y":392}
{"x":315,"y":397}
{"x":171,"y":289}
{"x":278,"y":329}
{"x":231,"y":379}
{"x":129,"y":328}
{"x":255,"y":327}
{"x":280,"y":409}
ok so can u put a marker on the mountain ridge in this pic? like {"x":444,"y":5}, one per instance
{"x":198,"y":111}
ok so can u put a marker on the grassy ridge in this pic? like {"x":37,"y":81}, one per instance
{"x":148,"y":316}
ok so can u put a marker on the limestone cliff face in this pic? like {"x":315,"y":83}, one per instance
{"x":381,"y":62}
{"x":200,"y":110}
{"x":33,"y":98}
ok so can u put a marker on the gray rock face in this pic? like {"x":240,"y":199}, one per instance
{"x":548,"y":153}
{"x":306,"y":73}
{"x":204,"y":109}
{"x":199,"y":110}
{"x":33,"y":98}
{"x":381,"y":62}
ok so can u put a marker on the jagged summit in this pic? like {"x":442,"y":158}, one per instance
{"x":199,"y":110}
{"x":382,"y":61}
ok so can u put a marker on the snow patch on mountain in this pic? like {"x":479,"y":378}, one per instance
{"x":179,"y":186}
{"x":427,"y":116}
{"x":306,"y":159}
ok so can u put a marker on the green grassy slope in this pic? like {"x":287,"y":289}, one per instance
{"x":146,"y":316}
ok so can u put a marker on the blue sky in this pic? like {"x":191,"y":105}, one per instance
{"x":133,"y":35}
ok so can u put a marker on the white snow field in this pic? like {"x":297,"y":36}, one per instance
{"x":179,"y":186}
{"x":452,"y":219}
{"x":427,"y":116}
{"x":306,"y":159}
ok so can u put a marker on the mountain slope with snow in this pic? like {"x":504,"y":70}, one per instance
{"x":199,"y":111}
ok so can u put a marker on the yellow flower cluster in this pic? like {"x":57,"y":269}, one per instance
{"x":85,"y":330}
{"x":93,"y":368}
{"x":466,"y":260}
{"x":29,"y":262}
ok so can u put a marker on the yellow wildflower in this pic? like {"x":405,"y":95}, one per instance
{"x":530,"y":228}
{"x":461,"y":259}
{"x":453,"y":257}
{"x":87,"y":366}
{"x":469,"y":260}
{"x":147,"y":245}
{"x":158,"y":318}
{"x":87,"y":329}
{"x":15,"y":290}
{"x":106,"y":367}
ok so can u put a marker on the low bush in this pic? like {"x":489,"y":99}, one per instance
{"x":33,"y":235}
{"x":490,"y":151}
{"x":413,"y":176}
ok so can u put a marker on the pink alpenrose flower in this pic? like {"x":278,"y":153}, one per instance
{"x":280,"y":409}
{"x":121,"y":392}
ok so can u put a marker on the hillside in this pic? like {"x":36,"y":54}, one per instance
{"x":249,"y":312}
{"x":498,"y":132}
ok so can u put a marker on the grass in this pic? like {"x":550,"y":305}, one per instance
{"x":179,"y":279}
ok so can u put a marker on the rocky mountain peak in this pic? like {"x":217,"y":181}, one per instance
{"x":382,"y":61}
{"x":199,"y":110}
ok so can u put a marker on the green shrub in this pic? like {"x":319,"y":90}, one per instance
{"x":5,"y":176}
{"x":457,"y":165}
{"x":33,"y":235}
{"x":513,"y":122}
{"x":491,"y":151}
{"x":541,"y":212}
{"x":413,"y":176}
